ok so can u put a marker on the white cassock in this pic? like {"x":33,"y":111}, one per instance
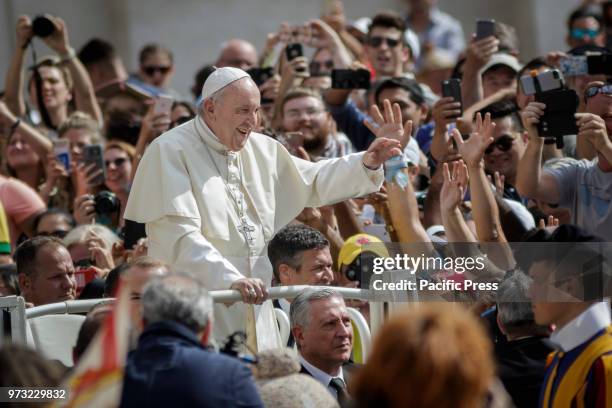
{"x":192,"y":221}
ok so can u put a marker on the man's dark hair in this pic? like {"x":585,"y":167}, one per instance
{"x":288,"y":244}
{"x":54,"y":211}
{"x":95,"y":51}
{"x":535,"y":63}
{"x":388,"y":19}
{"x":572,"y":252}
{"x":581,"y":13}
{"x":503,"y":108}
{"x":151,"y":49}
{"x":410,"y":85}
{"x":200,"y":77}
{"x":89,"y":328}
{"x":25,"y":255}
{"x":111,"y":283}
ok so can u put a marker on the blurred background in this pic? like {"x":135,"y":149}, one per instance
{"x":195,"y":29}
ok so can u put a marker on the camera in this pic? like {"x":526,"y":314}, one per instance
{"x":106,"y":203}
{"x":350,"y":79}
{"x":42,"y":26}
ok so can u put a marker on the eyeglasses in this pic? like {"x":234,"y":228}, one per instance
{"x":377,"y":42}
{"x":320,"y":68}
{"x":594,"y":90}
{"x":503,"y":143}
{"x":57,"y":233}
{"x":579,"y":33}
{"x":117,"y":162}
{"x":151,"y":70}
{"x":296,"y":114}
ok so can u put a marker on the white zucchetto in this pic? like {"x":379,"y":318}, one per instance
{"x":220,"y":78}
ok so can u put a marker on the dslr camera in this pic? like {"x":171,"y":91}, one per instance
{"x":106,"y":203}
{"x":42,"y":26}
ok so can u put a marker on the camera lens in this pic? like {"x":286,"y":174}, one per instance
{"x":42,"y":26}
{"x":106,"y":202}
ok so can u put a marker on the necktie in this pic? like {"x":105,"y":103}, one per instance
{"x":338,"y":385}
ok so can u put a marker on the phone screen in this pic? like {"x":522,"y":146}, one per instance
{"x":93,"y":154}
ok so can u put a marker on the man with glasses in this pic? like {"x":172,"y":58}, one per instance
{"x":584,"y":186}
{"x":509,"y":142}
{"x":585,"y":27}
{"x":303,"y":111}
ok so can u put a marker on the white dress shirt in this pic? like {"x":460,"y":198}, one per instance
{"x":322,"y":376}
{"x":583,"y":327}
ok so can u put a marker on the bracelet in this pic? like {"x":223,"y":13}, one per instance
{"x":14,"y":127}
{"x":69,"y":56}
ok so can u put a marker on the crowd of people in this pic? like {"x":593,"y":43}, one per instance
{"x":300,"y":164}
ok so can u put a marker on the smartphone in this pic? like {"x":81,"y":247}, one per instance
{"x":350,"y":79}
{"x":558,"y":119}
{"x":574,"y":65}
{"x":260,"y":75}
{"x":599,"y":64}
{"x":163,"y":104}
{"x":93,"y":154}
{"x":484,"y":28}
{"x":293,"y":51}
{"x":61,"y":149}
{"x":542,"y":82}
{"x":452,"y":88}
{"x":132,"y":232}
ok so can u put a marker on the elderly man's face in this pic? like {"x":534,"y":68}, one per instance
{"x":307,"y":115}
{"x":235,"y":114}
{"x":327,"y":341}
{"x":53,"y":280}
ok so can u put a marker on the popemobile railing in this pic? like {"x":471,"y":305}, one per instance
{"x":14,"y":309}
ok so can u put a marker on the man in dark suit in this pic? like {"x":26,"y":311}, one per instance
{"x":521,"y":360}
{"x":324,"y":336}
{"x":171,"y":366}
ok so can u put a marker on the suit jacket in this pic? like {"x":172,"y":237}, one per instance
{"x":170,"y":368}
{"x":521,"y":366}
{"x":348,"y":369}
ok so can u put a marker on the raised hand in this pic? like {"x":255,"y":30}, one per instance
{"x":472,"y":150}
{"x":593,"y":128}
{"x":390,"y":126}
{"x":479,"y":52}
{"x":530,"y":117}
{"x":454,"y":186}
{"x":58,"y":40}
{"x":24,"y":31}
{"x":445,"y":111}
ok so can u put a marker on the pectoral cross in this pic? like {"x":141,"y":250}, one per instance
{"x":246,"y":230}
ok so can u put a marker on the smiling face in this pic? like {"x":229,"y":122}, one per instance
{"x":499,"y":159}
{"x":19,"y":154}
{"x":326,"y":342}
{"x":234,"y":114}
{"x":307,"y":115}
{"x":55,"y":91}
{"x":118,"y":170}
{"x":386,"y":60}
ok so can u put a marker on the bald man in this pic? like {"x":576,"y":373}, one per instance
{"x":237,"y":53}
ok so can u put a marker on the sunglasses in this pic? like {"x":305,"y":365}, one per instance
{"x":377,"y":42}
{"x":117,"y":162}
{"x":503,"y":143}
{"x":594,"y":90}
{"x":151,"y":70}
{"x":57,"y":233}
{"x":579,"y":33}
{"x":319,"y":68}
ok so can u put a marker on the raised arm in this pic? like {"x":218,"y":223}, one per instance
{"x":530,"y":180}
{"x":41,"y":145}
{"x":13,"y":86}
{"x":85,"y":97}
{"x":478,"y":54}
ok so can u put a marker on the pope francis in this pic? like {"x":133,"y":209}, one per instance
{"x":213,"y":193}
